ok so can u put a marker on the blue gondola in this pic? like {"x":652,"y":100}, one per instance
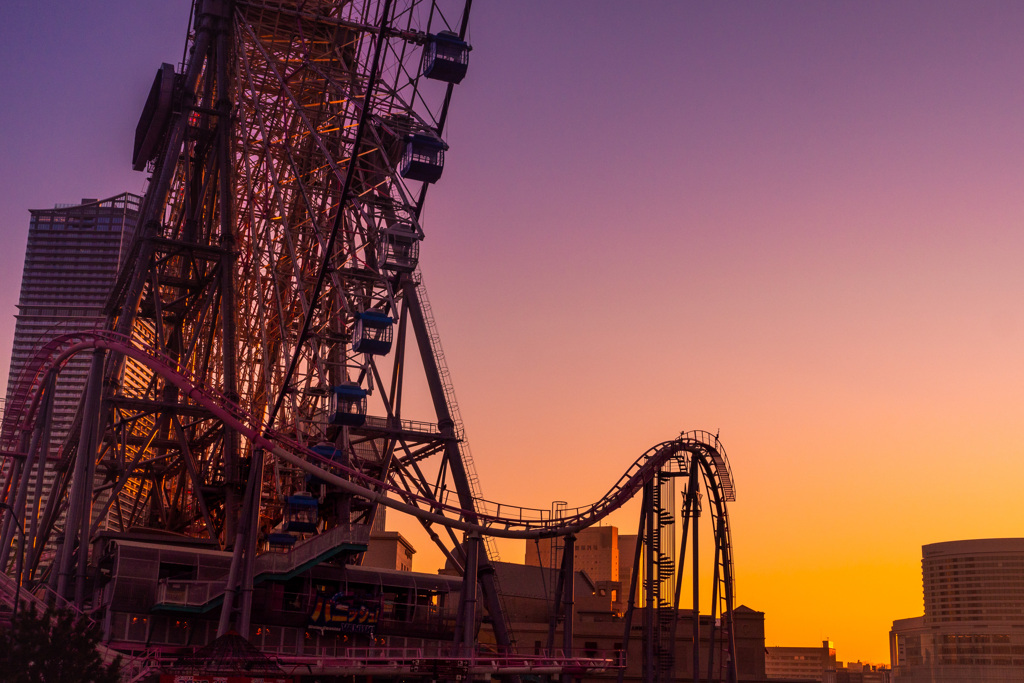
{"x":328,"y":450}
{"x":325,"y":450}
{"x":278,"y":540}
{"x":300,"y":513}
{"x":399,"y":250}
{"x":423,"y":158}
{"x":372,"y":333}
{"x":348,"y":405}
{"x":446,"y":57}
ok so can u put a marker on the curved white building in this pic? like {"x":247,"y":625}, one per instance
{"x":973,"y":623}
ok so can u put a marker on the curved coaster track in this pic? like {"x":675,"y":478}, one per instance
{"x":692,"y":455}
{"x":262,"y":330}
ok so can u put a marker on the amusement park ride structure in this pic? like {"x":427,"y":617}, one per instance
{"x":249,"y":385}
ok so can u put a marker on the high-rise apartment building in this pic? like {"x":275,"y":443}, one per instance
{"x":71,"y":261}
{"x":973,"y":623}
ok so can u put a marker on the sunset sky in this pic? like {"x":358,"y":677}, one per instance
{"x":797,"y":224}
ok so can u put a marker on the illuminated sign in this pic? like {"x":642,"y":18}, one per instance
{"x":345,"y":613}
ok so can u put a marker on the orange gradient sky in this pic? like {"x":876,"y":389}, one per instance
{"x":798,"y":224}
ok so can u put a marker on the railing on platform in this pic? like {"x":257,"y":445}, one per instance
{"x":311,"y":549}
{"x":382,"y":660}
{"x":188,"y":594}
{"x":140,"y":667}
{"x":400,"y":425}
{"x":402,"y":661}
{"x":191,"y":594}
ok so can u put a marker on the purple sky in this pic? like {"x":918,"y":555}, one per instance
{"x":799,"y":223}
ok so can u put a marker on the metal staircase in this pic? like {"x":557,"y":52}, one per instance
{"x":663,"y":581}
{"x":200,"y":596}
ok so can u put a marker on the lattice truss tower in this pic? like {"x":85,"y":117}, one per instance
{"x":276,"y":265}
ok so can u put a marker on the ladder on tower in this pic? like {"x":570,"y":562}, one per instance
{"x":460,"y":433}
{"x":453,"y":404}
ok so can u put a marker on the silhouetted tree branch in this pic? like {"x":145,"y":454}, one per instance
{"x":56,"y":646}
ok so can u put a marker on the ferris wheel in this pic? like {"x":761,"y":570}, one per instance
{"x":275,"y":262}
{"x":247,"y":393}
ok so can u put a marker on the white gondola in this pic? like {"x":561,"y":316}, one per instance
{"x":399,"y":250}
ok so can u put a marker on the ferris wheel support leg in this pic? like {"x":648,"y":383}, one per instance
{"x":227,"y":268}
{"x":242,"y":549}
{"x":444,"y":416}
{"x":469,"y":587}
{"x":453,"y":457}
{"x":251,"y":538}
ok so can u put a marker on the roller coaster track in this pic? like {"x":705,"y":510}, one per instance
{"x":491,"y":518}
{"x":698,"y":452}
